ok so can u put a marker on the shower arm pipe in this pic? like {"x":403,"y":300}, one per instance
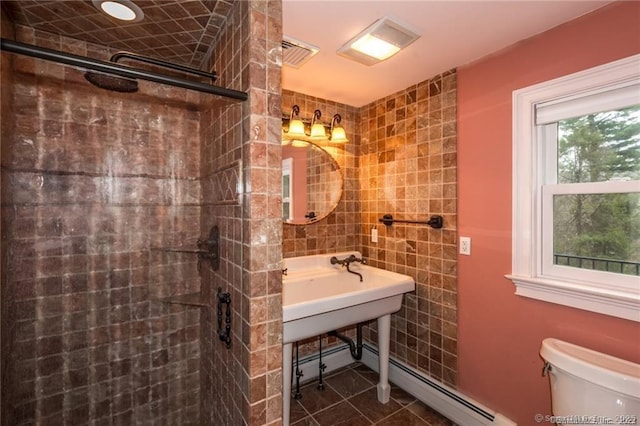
{"x":129,"y":55}
{"x":116,"y":69}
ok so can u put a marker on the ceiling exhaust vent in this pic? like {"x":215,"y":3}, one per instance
{"x":295,"y":52}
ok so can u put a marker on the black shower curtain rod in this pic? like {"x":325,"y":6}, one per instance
{"x":116,"y":69}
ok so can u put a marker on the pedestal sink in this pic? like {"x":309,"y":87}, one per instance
{"x":319,"y":297}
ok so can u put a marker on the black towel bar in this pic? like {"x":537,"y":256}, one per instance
{"x":436,"y":221}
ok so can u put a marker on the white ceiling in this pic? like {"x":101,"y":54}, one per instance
{"x":454,"y":33}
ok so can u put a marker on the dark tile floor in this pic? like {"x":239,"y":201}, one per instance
{"x":349,"y":398}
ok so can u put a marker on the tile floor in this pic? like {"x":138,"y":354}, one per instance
{"x":349,"y":398}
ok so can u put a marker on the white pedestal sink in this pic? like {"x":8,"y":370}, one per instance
{"x":319,"y":297}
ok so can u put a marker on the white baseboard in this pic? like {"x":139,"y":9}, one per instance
{"x":445,"y":400}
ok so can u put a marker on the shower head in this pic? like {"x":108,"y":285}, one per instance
{"x":127,"y":85}
{"x":111,"y":82}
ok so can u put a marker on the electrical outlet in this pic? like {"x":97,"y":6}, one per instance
{"x":374,"y":235}
{"x":465,"y":245}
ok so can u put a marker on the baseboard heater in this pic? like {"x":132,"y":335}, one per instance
{"x":445,"y":400}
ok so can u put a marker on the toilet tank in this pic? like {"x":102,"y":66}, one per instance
{"x":589,"y":383}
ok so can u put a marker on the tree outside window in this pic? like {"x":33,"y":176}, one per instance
{"x":598,"y":231}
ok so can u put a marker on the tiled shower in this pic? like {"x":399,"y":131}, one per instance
{"x":96,"y":187}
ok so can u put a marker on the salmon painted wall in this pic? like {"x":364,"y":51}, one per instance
{"x":299,"y":182}
{"x":499,"y":333}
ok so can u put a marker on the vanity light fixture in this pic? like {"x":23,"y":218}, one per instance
{"x":338,"y":134}
{"x":124,"y":10}
{"x":318,"y":133}
{"x":379,"y":41}
{"x":296,"y":126}
{"x":299,"y":132}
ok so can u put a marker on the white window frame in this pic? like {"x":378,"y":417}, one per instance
{"x":621,"y":301}
{"x":606,"y":280}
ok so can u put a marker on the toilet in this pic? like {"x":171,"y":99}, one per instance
{"x":590,"y":383}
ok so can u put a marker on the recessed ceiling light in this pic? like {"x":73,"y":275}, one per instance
{"x":124,"y":10}
{"x":373,"y":46}
{"x":379,"y":41}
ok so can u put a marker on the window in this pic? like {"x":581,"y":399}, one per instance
{"x":576,"y":190}
{"x":287,"y":189}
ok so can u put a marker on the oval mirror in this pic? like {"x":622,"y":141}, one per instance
{"x":311,"y":183}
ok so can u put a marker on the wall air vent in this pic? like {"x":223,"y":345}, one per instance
{"x":295,"y":52}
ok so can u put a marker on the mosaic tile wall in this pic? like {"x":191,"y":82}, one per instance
{"x":401,"y":160}
{"x":262,"y":221}
{"x":339,"y":231}
{"x":240,"y":157}
{"x":221,"y":170}
{"x":93,"y":182}
{"x":408,"y":169}
{"x":7,"y":311}
{"x":241,"y":152}
{"x":177,"y":31}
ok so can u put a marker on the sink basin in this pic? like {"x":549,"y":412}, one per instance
{"x":319,"y":297}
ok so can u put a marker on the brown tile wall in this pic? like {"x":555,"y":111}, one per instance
{"x":401,"y":159}
{"x":262,"y":221}
{"x":408,"y":169}
{"x":92,"y":181}
{"x":340,"y":230}
{"x":241,"y":149}
{"x":6,"y":298}
{"x":187,"y":35}
{"x":221,"y":172}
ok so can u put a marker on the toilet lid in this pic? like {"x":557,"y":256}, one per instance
{"x":614,"y":373}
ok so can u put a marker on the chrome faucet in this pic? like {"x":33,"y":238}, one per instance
{"x":347,"y":261}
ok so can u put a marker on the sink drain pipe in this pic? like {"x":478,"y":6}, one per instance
{"x":354,"y":348}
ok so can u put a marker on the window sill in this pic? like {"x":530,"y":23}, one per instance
{"x":579,"y":295}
